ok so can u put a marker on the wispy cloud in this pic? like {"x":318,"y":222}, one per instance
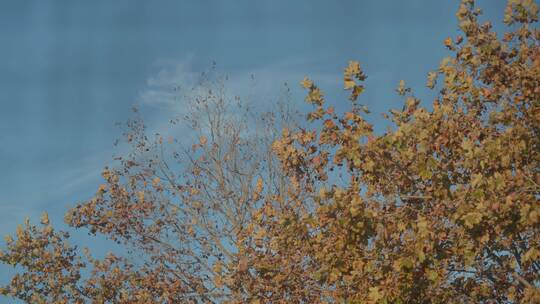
{"x":162,"y":89}
{"x":178,"y":81}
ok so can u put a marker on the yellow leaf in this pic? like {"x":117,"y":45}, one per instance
{"x":531,"y":255}
{"x":349,"y":84}
{"x":45,"y":218}
{"x":476,"y":179}
{"x":353,"y":68}
{"x":322,"y":193}
{"x":406,"y":263}
{"x":374,"y":294}
{"x":20,"y":231}
{"x":306,"y":83}
{"x":401,"y":88}
{"x":448,"y":42}
{"x":102,"y":188}
{"x":432,"y":275}
{"x":422,"y":225}
{"x":258,"y":189}
{"x":472,"y":219}
{"x":218,"y":281}
{"x":47,"y":230}
{"x":217,"y":267}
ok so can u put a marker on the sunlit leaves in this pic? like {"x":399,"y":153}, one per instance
{"x":352,"y":75}
{"x":52,"y":265}
{"x":431,"y":80}
{"x":45,"y":219}
{"x":448,"y":42}
{"x":306,"y":83}
{"x":441,"y":208}
{"x":401,"y":89}
{"x":437,"y":218}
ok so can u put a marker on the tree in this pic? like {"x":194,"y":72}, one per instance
{"x":443,"y":207}
{"x":176,"y":210}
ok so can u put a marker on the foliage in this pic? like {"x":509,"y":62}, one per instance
{"x":442,"y":208}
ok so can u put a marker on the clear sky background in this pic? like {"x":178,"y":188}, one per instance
{"x":70,"y":70}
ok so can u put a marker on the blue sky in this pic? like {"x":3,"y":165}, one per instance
{"x":69,"y":70}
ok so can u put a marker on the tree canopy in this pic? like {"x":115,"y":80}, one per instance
{"x":444,"y":207}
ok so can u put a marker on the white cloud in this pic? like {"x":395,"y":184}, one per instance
{"x":177,"y":80}
{"x":163,"y":90}
{"x":170,"y":91}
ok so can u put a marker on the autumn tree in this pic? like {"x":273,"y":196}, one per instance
{"x":176,"y":210}
{"x":444,"y":207}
